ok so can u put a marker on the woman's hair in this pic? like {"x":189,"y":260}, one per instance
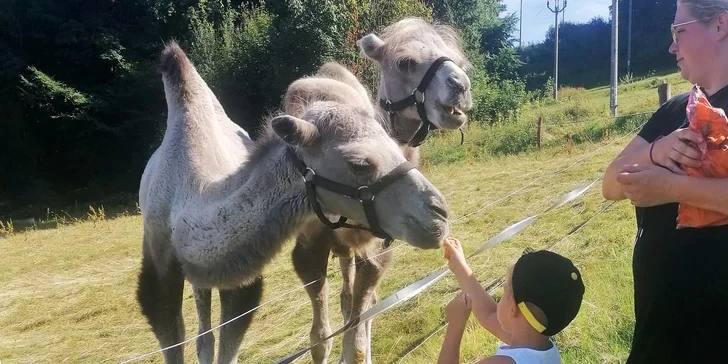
{"x":705,"y":10}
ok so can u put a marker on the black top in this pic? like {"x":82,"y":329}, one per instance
{"x":680,"y":275}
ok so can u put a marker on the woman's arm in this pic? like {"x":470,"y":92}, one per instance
{"x":649,"y":185}
{"x":636,"y":152}
{"x":670,"y":152}
{"x":705,"y":193}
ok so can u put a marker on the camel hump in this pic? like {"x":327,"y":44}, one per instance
{"x":183,"y":86}
{"x":174,"y":64}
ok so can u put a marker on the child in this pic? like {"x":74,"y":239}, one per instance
{"x":541,"y":296}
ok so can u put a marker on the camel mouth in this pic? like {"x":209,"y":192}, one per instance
{"x":452,"y":110}
{"x":451,"y":116}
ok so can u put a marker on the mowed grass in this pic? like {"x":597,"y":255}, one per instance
{"x":68,"y":293}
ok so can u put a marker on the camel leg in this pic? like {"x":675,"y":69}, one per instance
{"x":310,"y":262}
{"x":159,"y":293}
{"x":368,"y":324}
{"x":348,"y":275}
{"x":206,"y":343}
{"x":384,"y":263}
{"x":233,"y":303}
{"x":357,"y":341}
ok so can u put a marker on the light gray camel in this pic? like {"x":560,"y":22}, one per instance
{"x":406,"y":52}
{"x":217,"y":206}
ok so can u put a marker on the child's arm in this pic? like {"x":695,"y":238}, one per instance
{"x":450,"y":352}
{"x":484,"y":307}
{"x":457,"y":313}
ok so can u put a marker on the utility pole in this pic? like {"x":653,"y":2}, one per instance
{"x":520,"y":28}
{"x":629,"y":40}
{"x":556,"y":12}
{"x":615,"y":48}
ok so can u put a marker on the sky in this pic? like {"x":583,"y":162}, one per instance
{"x":537,"y":18}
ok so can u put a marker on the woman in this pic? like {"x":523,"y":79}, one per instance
{"x":680,"y":275}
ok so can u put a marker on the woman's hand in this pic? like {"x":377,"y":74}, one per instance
{"x":678,"y":148}
{"x":458,"y":310}
{"x":647,"y":185}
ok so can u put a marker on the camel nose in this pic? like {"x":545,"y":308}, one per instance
{"x":458,"y":82}
{"x":439,"y":210}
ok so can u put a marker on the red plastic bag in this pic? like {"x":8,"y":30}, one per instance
{"x":712,"y":124}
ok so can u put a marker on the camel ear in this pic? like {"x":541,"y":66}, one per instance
{"x":371,"y":46}
{"x":295,"y":131}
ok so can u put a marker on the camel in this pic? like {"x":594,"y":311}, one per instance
{"x":417,"y":61}
{"x":218,"y":206}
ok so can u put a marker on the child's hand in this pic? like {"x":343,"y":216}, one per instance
{"x":455,"y":256}
{"x":458,"y":310}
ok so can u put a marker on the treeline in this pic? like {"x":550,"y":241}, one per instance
{"x":82,"y":107}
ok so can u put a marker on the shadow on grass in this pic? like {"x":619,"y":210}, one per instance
{"x":18,"y":219}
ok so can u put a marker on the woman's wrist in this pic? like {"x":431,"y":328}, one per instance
{"x":676,"y":185}
{"x":652,"y":151}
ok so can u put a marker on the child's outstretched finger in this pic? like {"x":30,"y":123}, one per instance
{"x":447,"y":244}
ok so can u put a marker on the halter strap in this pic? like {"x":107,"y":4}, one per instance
{"x":365,"y":194}
{"x":425,"y":125}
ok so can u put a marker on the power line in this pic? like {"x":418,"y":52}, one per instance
{"x":629,"y":40}
{"x":556,"y":12}
{"x":520,"y":28}
{"x":615,"y":74}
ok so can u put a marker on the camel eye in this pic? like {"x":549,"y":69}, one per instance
{"x":406,"y":65}
{"x":361,"y":167}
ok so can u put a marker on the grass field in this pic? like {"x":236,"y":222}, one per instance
{"x":68,"y":285}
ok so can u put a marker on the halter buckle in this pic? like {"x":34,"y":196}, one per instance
{"x":365,"y":194}
{"x":309,"y":175}
{"x":388,"y":106}
{"x":414,"y":94}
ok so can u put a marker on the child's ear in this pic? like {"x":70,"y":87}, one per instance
{"x":514,"y":311}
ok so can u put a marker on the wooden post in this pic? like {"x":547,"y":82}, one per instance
{"x":538,"y":133}
{"x":569,"y":144}
{"x":663,"y":92}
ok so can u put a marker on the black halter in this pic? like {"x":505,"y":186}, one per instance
{"x":365,"y":194}
{"x":425,"y":127}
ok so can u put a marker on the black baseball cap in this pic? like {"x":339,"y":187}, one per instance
{"x":551,"y":282}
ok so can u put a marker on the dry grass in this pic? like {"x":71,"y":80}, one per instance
{"x":69,"y":292}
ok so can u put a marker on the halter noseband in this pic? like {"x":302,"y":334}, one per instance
{"x":364,"y":194}
{"x":425,"y":126}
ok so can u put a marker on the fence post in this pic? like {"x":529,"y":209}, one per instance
{"x":538,"y":133}
{"x":663,"y":92}
{"x":569,"y":143}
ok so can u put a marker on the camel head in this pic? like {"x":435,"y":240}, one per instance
{"x":405,"y":52}
{"x":346,"y":145}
